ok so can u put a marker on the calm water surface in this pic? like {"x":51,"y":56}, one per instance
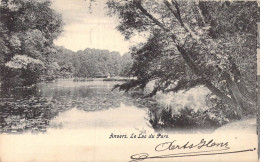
{"x":68,"y":104}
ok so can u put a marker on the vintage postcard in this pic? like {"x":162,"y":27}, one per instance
{"x":128,"y":80}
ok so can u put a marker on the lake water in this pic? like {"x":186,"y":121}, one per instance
{"x":70,"y":105}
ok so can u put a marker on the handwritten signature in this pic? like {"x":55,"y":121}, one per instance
{"x":203,"y":143}
{"x":223,"y":147}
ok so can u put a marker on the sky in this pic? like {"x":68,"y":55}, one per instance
{"x":83,"y":29}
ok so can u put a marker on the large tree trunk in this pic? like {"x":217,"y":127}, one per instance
{"x":240,"y":82}
{"x":221,"y":95}
{"x":236,"y":93}
{"x":208,"y":84}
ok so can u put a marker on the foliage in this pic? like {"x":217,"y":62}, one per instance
{"x":193,"y":43}
{"x":63,"y":58}
{"x":27,"y":31}
{"x":126,"y":64}
{"x":22,"y":61}
{"x":92,"y":63}
{"x":186,"y":119}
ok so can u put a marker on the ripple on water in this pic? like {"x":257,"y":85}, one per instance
{"x":33,"y":111}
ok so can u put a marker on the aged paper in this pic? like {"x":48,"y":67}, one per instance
{"x":61,"y":60}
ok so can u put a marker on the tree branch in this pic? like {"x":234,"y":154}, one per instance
{"x":146,"y":13}
{"x":200,"y":14}
{"x":177,"y":15}
{"x":177,"y":8}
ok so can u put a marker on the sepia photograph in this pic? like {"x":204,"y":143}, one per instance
{"x":129,"y":80}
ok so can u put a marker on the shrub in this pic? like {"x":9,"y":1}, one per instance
{"x":186,"y":119}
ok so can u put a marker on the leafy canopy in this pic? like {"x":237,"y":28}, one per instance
{"x":192,"y":43}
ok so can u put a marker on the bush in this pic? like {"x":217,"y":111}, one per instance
{"x":186,"y":119}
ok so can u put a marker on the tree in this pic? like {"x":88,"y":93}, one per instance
{"x":27,"y":31}
{"x":126,"y":64}
{"x":63,"y":57}
{"x":94,"y":62}
{"x":193,"y":43}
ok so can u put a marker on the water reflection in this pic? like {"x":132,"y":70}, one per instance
{"x":30,"y":110}
{"x":124,"y":118}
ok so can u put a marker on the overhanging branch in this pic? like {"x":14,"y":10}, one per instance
{"x":187,"y":59}
{"x":157,"y":22}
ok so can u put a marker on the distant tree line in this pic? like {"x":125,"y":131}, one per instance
{"x":91,"y":63}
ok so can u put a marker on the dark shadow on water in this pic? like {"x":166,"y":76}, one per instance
{"x":31,"y":109}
